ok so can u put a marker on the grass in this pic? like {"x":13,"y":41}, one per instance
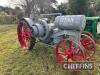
{"x":16,"y":61}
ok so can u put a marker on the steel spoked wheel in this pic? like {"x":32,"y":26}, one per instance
{"x":89,"y":45}
{"x":88,"y":33}
{"x":69,"y":51}
{"x":25,"y":35}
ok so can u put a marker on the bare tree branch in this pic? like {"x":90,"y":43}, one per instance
{"x":35,"y":6}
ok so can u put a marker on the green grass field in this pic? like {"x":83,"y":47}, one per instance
{"x":16,"y":61}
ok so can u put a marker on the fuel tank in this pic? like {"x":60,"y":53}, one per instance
{"x":70,"y":22}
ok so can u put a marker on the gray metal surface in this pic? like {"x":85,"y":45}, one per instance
{"x":38,"y":30}
{"x":70,"y":25}
{"x":71,"y":22}
{"x":29,"y":21}
{"x":46,"y":29}
{"x":76,"y":35}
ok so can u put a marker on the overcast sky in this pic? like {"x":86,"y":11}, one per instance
{"x":7,"y":3}
{"x":4,"y":2}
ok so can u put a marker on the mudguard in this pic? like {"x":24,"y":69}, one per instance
{"x":29,"y":21}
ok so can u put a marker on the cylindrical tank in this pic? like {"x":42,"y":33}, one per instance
{"x":71,"y":22}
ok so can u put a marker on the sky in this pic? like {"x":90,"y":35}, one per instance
{"x":7,"y":3}
{"x":60,"y":1}
{"x":4,"y":3}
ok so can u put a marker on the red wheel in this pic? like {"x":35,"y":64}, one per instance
{"x":24,"y":34}
{"x":89,"y":45}
{"x":88,"y":33}
{"x":69,"y":51}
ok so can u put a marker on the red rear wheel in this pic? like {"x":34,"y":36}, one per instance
{"x":24,"y":34}
{"x":89,"y":45}
{"x":89,"y":34}
{"x":69,"y":51}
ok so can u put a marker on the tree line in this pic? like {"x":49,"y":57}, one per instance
{"x":37,"y":7}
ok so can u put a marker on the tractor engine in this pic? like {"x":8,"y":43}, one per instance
{"x":51,"y":33}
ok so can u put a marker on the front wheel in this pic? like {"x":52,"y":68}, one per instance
{"x":25,"y":36}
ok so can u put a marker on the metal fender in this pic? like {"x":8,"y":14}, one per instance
{"x":29,"y":21}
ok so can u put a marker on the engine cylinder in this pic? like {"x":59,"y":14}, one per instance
{"x":71,"y":22}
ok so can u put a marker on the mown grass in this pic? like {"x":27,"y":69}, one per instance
{"x":16,"y":61}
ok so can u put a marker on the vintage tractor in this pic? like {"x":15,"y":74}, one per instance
{"x":65,"y":34}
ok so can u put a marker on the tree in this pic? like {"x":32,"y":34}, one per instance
{"x":18,"y":12}
{"x":63,"y":8}
{"x":35,"y":6}
{"x":78,"y":6}
{"x":97,"y":6}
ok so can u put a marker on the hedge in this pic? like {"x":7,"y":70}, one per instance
{"x":7,"y":19}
